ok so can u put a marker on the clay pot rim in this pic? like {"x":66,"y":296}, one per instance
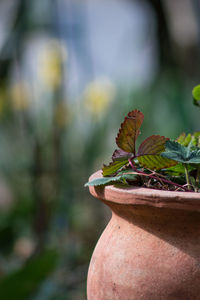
{"x":144,"y":196}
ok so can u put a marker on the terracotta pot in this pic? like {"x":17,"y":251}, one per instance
{"x":151,"y":247}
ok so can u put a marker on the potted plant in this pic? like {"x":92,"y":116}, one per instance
{"x":151,"y":247}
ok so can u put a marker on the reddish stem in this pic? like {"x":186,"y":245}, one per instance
{"x":155,"y":177}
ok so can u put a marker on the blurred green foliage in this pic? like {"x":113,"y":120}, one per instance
{"x":21,"y":284}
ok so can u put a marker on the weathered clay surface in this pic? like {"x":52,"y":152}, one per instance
{"x":150,"y":249}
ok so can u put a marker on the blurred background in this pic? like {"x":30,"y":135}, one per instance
{"x":70,"y":70}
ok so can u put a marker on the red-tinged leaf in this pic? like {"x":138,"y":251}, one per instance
{"x":155,"y":144}
{"x":155,"y":162}
{"x":113,"y":167}
{"x":119,"y":154}
{"x":129,"y":131}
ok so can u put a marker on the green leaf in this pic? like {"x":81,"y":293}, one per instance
{"x":114,"y":166}
{"x":181,"y":139}
{"x":21,"y":284}
{"x":155,"y":162}
{"x":129,"y":131}
{"x":180,"y":153}
{"x":176,"y":147}
{"x":110,"y":180}
{"x":196,"y":139}
{"x":149,"y":153}
{"x":196,"y":134}
{"x":196,"y":95}
{"x":175,"y":151}
{"x":194,"y":157}
{"x":178,"y":170}
{"x":196,"y":92}
{"x":184,"y":139}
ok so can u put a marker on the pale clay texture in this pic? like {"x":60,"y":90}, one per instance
{"x":150,"y":250}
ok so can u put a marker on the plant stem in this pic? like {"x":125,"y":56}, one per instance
{"x":187,"y":175}
{"x":155,"y":177}
{"x":198,"y":176}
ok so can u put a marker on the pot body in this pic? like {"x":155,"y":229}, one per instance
{"x":147,"y":253}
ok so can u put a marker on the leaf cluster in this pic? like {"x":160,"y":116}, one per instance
{"x":188,"y":158}
{"x":180,"y":153}
{"x":157,"y":159}
{"x":148,"y":153}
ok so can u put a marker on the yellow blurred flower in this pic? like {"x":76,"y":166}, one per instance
{"x":51,"y":63}
{"x":20,"y":97}
{"x":98,"y":96}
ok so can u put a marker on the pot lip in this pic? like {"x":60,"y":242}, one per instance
{"x":145,"y":196}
